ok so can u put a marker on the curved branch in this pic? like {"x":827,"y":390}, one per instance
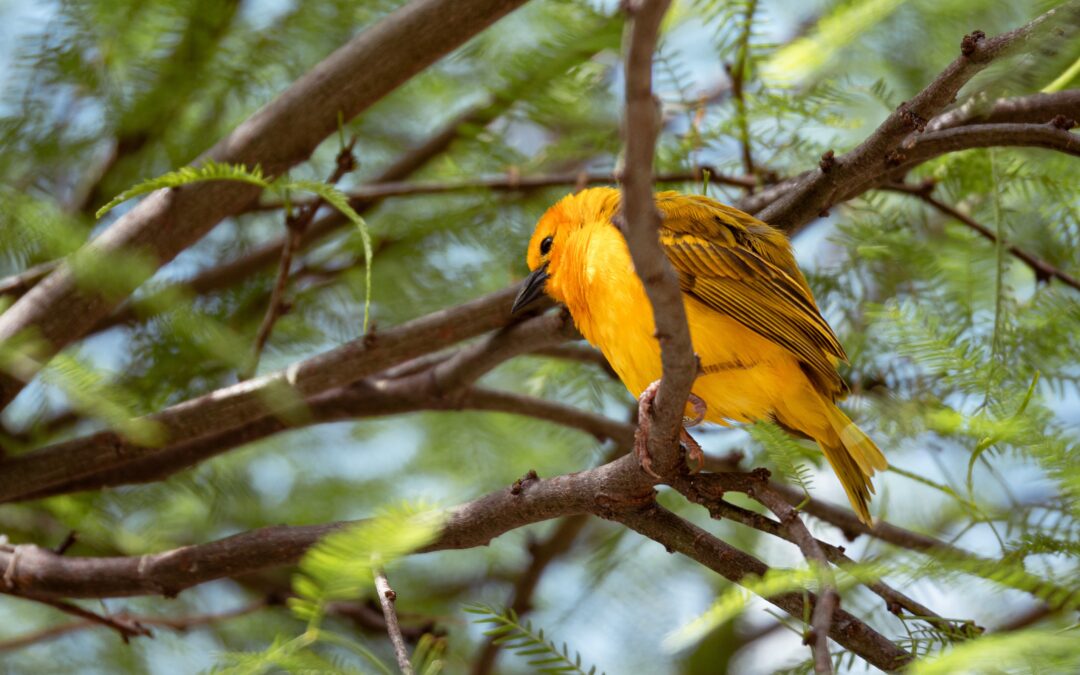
{"x":511,"y":183}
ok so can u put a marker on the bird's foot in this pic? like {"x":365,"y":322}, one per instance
{"x":641,"y":436}
{"x":694,"y":454}
{"x":699,"y":411}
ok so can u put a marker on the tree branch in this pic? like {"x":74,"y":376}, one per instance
{"x":828,"y":600}
{"x":678,"y":535}
{"x":1043,"y":270}
{"x":295,"y":226}
{"x":1034,"y":108}
{"x":181,"y":624}
{"x":512,"y":183}
{"x":642,"y":223}
{"x":124,"y":626}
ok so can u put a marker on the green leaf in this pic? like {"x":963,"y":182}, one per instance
{"x":210,"y":170}
{"x":526,"y":642}
{"x":341,"y":566}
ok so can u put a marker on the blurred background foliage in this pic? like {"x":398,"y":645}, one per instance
{"x":948,"y":333}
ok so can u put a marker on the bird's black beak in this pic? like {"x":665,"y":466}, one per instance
{"x":533,"y":288}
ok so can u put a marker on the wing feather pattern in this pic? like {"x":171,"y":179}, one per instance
{"x":744,"y":269}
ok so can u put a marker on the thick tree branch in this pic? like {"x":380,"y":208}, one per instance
{"x":282,"y":134}
{"x":358,"y":401}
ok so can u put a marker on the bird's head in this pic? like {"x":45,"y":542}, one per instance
{"x":547,"y":253}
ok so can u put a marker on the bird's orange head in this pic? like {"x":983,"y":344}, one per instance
{"x":545,"y":255}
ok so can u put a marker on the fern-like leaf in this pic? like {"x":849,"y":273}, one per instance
{"x":187,"y":175}
{"x":525,"y":641}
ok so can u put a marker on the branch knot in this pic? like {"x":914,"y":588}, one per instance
{"x":971,"y":42}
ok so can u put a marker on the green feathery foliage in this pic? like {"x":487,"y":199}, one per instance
{"x":543,"y":655}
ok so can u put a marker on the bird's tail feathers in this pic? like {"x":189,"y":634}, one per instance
{"x":854,"y":458}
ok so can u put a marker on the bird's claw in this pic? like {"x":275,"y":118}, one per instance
{"x":699,"y":411}
{"x":694,"y":454}
{"x":641,"y":436}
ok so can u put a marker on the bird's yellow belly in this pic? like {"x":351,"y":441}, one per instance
{"x":744,"y":374}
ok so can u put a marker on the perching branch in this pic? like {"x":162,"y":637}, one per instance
{"x":642,"y":223}
{"x":617,"y":490}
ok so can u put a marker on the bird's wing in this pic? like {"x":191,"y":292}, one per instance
{"x":744,"y":269}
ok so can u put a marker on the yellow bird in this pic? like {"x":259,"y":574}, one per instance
{"x":766,"y":353}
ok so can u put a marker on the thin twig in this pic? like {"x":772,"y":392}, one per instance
{"x":125,"y":626}
{"x":738,"y":81}
{"x":1036,"y":108}
{"x":894,"y":599}
{"x":387,"y":597}
{"x":679,"y":535}
{"x":182,"y":623}
{"x":1043,"y":270}
{"x":296,"y":226}
{"x":828,"y":599}
{"x":756,"y":486}
{"x":514,"y":183}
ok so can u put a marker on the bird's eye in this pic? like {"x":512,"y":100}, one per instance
{"x":545,"y":246}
